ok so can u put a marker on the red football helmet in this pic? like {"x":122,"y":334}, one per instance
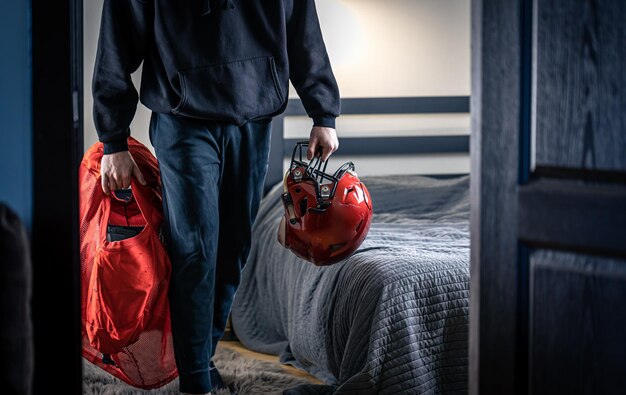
{"x":326,"y":216}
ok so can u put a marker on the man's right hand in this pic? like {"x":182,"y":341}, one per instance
{"x":116,"y":170}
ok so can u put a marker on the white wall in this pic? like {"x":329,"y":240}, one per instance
{"x":378,"y":48}
{"x":398,"y":47}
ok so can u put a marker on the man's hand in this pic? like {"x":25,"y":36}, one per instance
{"x":116,"y":170}
{"x":324,"y":138}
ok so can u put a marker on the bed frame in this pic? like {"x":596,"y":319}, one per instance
{"x":359,"y":146}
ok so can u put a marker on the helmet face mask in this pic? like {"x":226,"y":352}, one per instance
{"x":327,"y":216}
{"x":325,"y":184}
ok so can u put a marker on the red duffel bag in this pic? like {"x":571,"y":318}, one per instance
{"x":125,"y":272}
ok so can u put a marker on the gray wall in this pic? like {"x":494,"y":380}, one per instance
{"x":16,"y":109}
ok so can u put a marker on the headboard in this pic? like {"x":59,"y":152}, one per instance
{"x":282,"y":147}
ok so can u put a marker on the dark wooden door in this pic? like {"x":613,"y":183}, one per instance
{"x":548,"y":267}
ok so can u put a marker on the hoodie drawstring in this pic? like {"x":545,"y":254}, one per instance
{"x":206,"y":7}
{"x":226,"y":5}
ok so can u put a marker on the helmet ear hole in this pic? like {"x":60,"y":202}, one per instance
{"x":358,"y":226}
{"x":304,"y":203}
{"x":335,"y":247}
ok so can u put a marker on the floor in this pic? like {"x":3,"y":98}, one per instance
{"x":240,"y":348}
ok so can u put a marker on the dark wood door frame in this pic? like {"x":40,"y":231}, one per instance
{"x":496,"y":103}
{"x":57,"y":68}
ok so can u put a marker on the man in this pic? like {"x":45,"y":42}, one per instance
{"x":215,"y":72}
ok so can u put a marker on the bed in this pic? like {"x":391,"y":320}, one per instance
{"x":392,"y":318}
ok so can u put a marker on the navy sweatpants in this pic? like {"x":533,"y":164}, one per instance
{"x":212,"y":176}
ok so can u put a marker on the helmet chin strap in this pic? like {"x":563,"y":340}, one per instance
{"x":287,"y":200}
{"x":282,"y":233}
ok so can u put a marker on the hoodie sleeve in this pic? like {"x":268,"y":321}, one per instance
{"x":310,"y":70}
{"x":121,"y":48}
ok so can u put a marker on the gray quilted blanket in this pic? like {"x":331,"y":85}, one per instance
{"x":392,"y":318}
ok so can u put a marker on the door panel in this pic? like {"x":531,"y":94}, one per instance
{"x":578,"y":323}
{"x":548,"y":241}
{"x":573,"y":215}
{"x":579,"y":84}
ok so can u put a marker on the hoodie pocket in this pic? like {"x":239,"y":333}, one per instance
{"x":234,"y":91}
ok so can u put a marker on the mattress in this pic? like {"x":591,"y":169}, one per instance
{"x":392,"y":318}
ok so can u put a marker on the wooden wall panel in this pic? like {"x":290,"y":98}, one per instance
{"x":578,"y":330}
{"x":580,"y":103}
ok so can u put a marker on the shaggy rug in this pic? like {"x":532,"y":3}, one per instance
{"x":244,"y":376}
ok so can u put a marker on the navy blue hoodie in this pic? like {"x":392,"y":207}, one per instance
{"x":223,"y":60}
